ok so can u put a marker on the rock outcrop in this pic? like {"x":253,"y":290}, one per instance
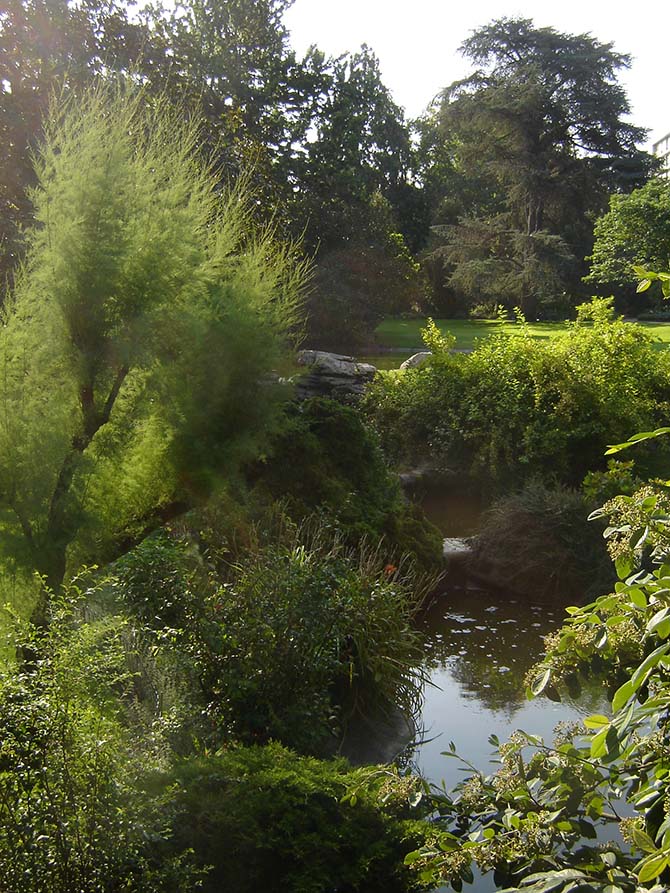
{"x":332,"y":375}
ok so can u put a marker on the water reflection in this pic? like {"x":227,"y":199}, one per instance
{"x":480,"y":644}
{"x":487,"y":643}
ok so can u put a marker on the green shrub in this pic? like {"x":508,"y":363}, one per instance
{"x":300,"y":635}
{"x":517,"y":407}
{"x":93,"y":799}
{"x":72,"y":816}
{"x":619,"y":478}
{"x":328,"y":460}
{"x":266,"y":819}
{"x":539,"y":543}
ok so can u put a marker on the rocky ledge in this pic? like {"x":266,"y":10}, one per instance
{"x":332,"y":375}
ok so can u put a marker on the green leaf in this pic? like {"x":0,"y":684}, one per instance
{"x":624,"y":566}
{"x":657,"y":620}
{"x":643,"y":285}
{"x":652,"y":867}
{"x":599,"y":743}
{"x":636,"y":438}
{"x":596,"y":721}
{"x":638,"y":598}
{"x":643,"y":841}
{"x":622,"y":695}
{"x":544,"y":881}
{"x":616,"y":620}
{"x":652,"y":660}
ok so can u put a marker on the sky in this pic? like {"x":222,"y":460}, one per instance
{"x":417,"y":41}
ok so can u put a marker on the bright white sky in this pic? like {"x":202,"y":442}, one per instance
{"x":417,"y":41}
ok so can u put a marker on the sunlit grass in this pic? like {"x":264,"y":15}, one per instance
{"x":406,"y":333}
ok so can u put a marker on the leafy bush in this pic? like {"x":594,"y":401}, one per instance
{"x":301,"y":634}
{"x":72,"y":816}
{"x":516,"y":406}
{"x":266,"y":819}
{"x":93,"y":799}
{"x":328,"y":460}
{"x":618,"y":478}
{"x":538,"y":542}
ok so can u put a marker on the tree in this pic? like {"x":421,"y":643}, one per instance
{"x":361,"y":146}
{"x":635,"y":231}
{"x":318,"y":138}
{"x":136,"y":340}
{"x":232,"y":61}
{"x":47,"y":45}
{"x":348,"y":175}
{"x":543,"y":116}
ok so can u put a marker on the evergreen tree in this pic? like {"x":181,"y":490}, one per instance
{"x":543,"y":116}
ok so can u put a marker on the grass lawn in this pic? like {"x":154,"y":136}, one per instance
{"x":406,"y":333}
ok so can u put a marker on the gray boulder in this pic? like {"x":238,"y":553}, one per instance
{"x":417,"y":359}
{"x":457,"y":552}
{"x":332,"y":375}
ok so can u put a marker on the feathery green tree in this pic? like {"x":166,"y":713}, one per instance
{"x":135,"y":344}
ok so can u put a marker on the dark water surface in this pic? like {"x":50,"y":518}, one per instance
{"x":480,"y":645}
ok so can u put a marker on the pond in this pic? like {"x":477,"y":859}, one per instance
{"x":480,"y":643}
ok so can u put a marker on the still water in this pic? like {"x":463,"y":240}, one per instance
{"x":480,"y":645}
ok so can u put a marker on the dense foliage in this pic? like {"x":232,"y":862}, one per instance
{"x":515,"y":161}
{"x":541,"y":125}
{"x":290,"y":642}
{"x":74,"y":748}
{"x":320,"y":138}
{"x":516,"y":406}
{"x":327,"y":460}
{"x":135,"y":343}
{"x":96,"y":796}
{"x":634,"y":232}
{"x":146,"y":708}
{"x":295,"y":823}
